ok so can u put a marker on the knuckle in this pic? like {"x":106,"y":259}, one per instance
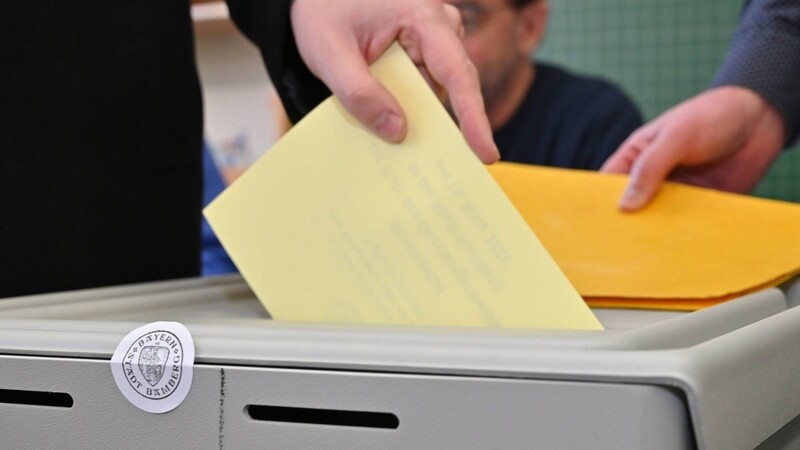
{"x":356,"y":96}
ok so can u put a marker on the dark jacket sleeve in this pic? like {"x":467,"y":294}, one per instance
{"x":765,"y":56}
{"x":267,"y":24}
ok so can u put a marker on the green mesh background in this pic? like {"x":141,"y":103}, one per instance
{"x":660,"y":52}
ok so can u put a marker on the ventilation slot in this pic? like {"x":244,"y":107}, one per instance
{"x":314,"y":416}
{"x":36,"y":398}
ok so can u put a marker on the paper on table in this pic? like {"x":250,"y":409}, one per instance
{"x":690,"y":248}
{"x":334,"y":224}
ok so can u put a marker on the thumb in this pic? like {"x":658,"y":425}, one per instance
{"x":649,"y":170}
{"x":364,"y":97}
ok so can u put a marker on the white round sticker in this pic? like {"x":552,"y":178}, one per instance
{"x":152,"y":366}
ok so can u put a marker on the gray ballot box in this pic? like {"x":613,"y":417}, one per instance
{"x":727,"y":377}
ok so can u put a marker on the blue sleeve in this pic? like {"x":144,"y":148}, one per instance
{"x":214,"y":258}
{"x":765,"y":57}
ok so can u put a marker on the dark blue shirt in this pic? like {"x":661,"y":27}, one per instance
{"x":568,"y":121}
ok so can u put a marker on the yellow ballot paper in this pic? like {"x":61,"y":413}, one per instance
{"x":334,"y":224}
{"x":690,"y":248}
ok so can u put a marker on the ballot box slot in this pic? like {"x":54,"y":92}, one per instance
{"x":316,"y":416}
{"x":36,"y":398}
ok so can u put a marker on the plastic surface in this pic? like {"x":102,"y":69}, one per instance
{"x":720,"y":378}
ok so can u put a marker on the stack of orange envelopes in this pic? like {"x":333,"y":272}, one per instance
{"x":690,"y":248}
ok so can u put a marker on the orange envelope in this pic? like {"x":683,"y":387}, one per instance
{"x":690,"y":248}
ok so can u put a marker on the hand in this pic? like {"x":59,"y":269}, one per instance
{"x":357,"y":32}
{"x":725,"y":138}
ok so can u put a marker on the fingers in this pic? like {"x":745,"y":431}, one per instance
{"x":358,"y":31}
{"x":330,"y":45}
{"x":623,"y":158}
{"x":447,"y":63}
{"x":363,"y":96}
{"x":655,"y":160}
{"x":648,"y":155}
{"x":454,"y":17}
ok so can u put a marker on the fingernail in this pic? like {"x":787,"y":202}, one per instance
{"x":390,"y":126}
{"x":632,"y":200}
{"x":496,"y":154}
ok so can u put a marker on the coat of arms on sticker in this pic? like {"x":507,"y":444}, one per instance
{"x":152,"y":360}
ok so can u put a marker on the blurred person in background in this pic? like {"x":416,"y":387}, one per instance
{"x":540,"y":113}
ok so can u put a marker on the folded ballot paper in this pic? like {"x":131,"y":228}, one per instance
{"x":333,"y":224}
{"x":690,"y":248}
